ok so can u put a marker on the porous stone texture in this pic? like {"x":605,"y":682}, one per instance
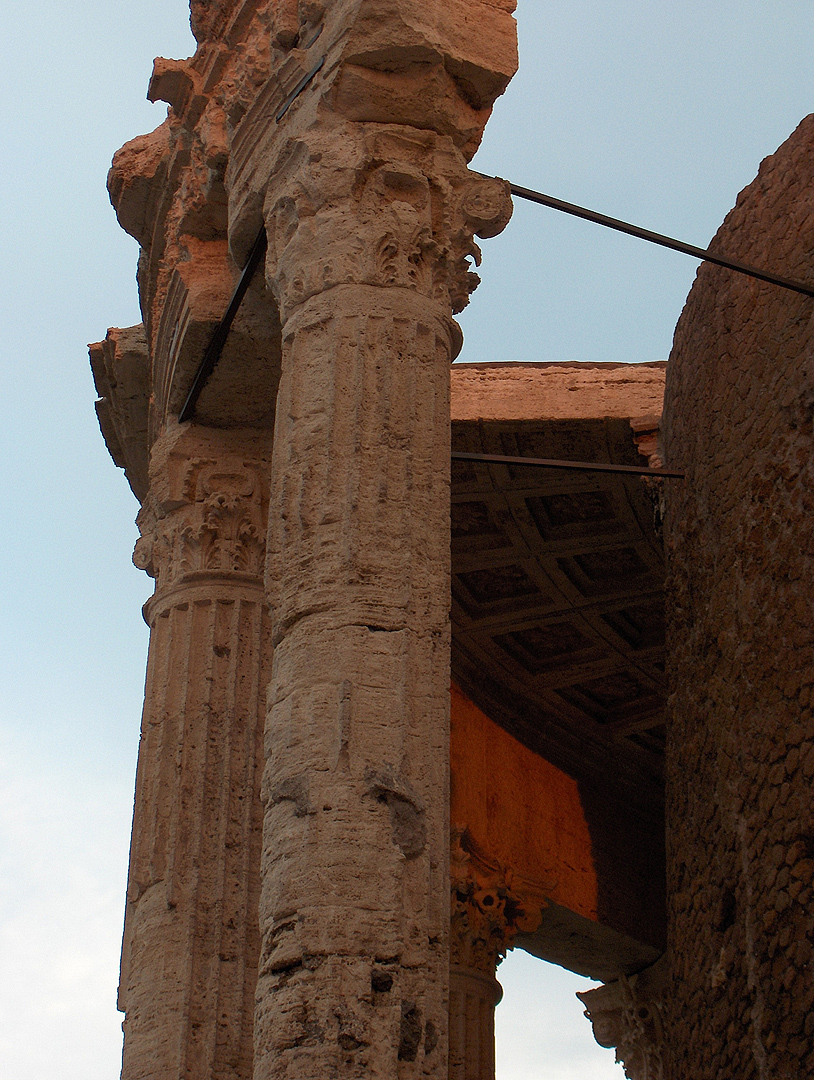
{"x":121,"y":374}
{"x":559,"y":391}
{"x":191,"y":940}
{"x":370,"y":213}
{"x":738,"y":417}
{"x":355,"y":866}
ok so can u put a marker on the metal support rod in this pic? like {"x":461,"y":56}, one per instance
{"x":657,"y":238}
{"x":298,"y":89}
{"x":215,"y":348}
{"x":555,"y":463}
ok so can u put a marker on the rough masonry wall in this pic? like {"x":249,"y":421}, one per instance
{"x":738,"y":416}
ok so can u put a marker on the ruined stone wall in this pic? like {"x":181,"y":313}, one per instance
{"x":738,"y":416}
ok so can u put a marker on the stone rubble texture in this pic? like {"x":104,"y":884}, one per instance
{"x":738,"y":416}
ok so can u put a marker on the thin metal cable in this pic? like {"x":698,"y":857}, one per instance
{"x":556,"y":463}
{"x":657,"y":238}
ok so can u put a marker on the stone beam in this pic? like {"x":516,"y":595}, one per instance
{"x":526,"y":831}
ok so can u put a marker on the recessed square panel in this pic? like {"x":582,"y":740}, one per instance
{"x":611,"y":566}
{"x":568,"y":440}
{"x":612,"y":691}
{"x":547,"y":647}
{"x":613,"y":698}
{"x":612,"y":570}
{"x":641,"y":625}
{"x":572,"y":514}
{"x":496,"y":583}
{"x":473,"y":528}
{"x":652,"y":739}
{"x":575,"y":507}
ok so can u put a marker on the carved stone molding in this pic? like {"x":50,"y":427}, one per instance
{"x":121,"y":374}
{"x":627,"y":1014}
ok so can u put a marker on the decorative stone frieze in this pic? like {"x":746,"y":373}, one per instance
{"x":628,"y":1015}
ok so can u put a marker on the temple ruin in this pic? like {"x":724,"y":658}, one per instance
{"x":404,"y":712}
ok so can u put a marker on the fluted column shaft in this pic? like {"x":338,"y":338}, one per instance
{"x":189,"y":958}
{"x":473,"y":996}
{"x":486,"y":917}
{"x":354,"y":900}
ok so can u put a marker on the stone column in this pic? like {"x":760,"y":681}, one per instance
{"x":189,"y":959}
{"x":487,"y":914}
{"x":369,"y":227}
{"x":477,"y":944}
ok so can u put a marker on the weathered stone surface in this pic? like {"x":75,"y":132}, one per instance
{"x":738,"y":417}
{"x":343,"y":129}
{"x":191,"y":943}
{"x":370,"y":213}
{"x":370,"y":223}
{"x":559,"y":391}
{"x":358,"y":580}
{"x":628,"y":1016}
{"x":121,"y":374}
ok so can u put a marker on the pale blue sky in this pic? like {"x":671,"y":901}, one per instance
{"x":654,"y":112}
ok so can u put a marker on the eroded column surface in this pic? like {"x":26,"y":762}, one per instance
{"x":191,"y":942}
{"x":368,"y":236}
{"x":740,"y":764}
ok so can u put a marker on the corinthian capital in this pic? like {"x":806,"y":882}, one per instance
{"x":487,"y":912}
{"x":627,"y":1014}
{"x":389,"y":208}
{"x":206,"y":510}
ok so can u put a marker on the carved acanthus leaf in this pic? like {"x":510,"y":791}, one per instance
{"x":487,"y":912}
{"x":627,"y":1014}
{"x":376,"y":209}
{"x":217,"y":529}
